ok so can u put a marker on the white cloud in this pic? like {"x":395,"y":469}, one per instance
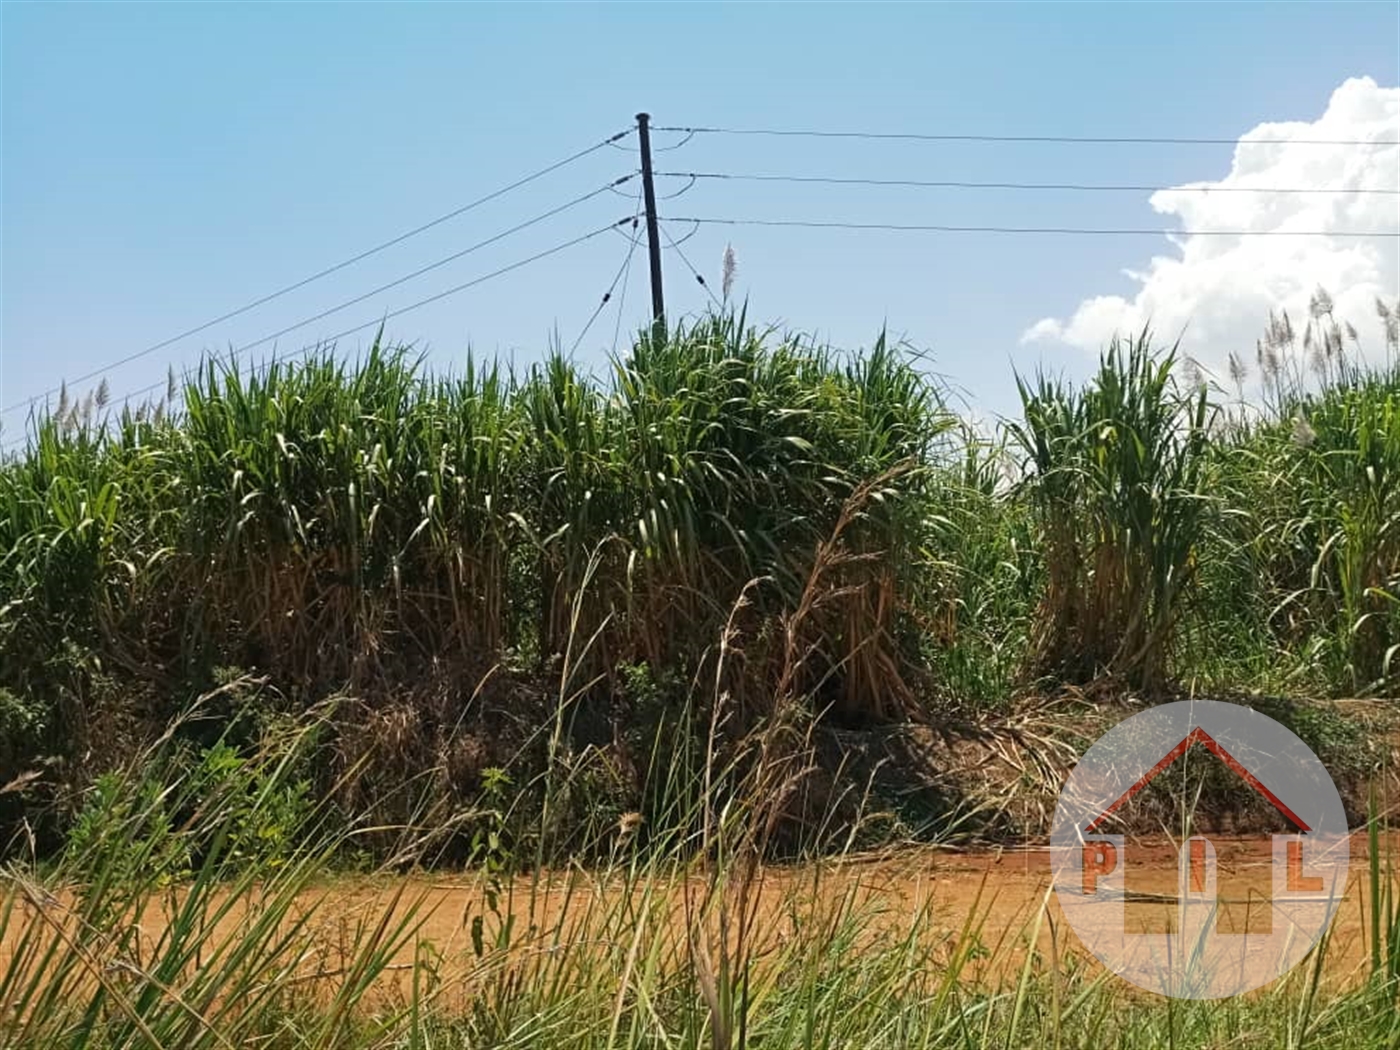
{"x":1221,"y":289}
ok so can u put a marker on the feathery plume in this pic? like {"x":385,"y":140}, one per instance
{"x":1320,"y":305}
{"x":1303,"y":434}
{"x":1390,"y":322}
{"x":1239,"y":372}
{"x":1268,"y":361}
{"x":1192,"y":369}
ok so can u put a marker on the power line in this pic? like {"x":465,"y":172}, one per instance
{"x":621,"y":270}
{"x":699,"y":279}
{"x":622,"y":298}
{"x":438,"y":264}
{"x":431,"y":266}
{"x":1066,"y":139}
{"x":439,"y":296}
{"x":128,"y":395}
{"x":627,"y":196}
{"x":1067,"y":230}
{"x":635,"y":238}
{"x":947,"y":184}
{"x":328,"y":270}
{"x":693,"y":231}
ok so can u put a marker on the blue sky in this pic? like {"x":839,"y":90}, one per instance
{"x":164,"y":163}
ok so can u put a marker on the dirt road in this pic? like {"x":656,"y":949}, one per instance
{"x":927,"y":895}
{"x":921,"y":897}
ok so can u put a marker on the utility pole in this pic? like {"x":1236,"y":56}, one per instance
{"x":658,"y":301}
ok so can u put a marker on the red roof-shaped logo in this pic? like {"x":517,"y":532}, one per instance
{"x":1200,"y":736}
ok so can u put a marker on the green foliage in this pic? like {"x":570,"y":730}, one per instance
{"x":983,"y":573}
{"x":658,"y":551}
{"x":127,"y":824}
{"x":1313,"y":534}
{"x":267,"y":814}
{"x":1342,"y":744}
{"x":1117,"y":484}
{"x":23,"y":724}
{"x":125,"y":833}
{"x":325,"y":523}
{"x":588,"y":582}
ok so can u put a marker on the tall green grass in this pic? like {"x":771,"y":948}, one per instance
{"x":1118,"y":486}
{"x":1313,"y":523}
{"x":330,"y":514}
{"x":324,"y":616}
{"x":477,"y":556}
{"x":371,"y":528}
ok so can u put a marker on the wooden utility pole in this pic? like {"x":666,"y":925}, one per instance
{"x":658,"y":301}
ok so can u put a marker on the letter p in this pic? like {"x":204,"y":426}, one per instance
{"x":1100,"y":858}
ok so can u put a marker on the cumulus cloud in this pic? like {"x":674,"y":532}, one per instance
{"x":1220,"y":290}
